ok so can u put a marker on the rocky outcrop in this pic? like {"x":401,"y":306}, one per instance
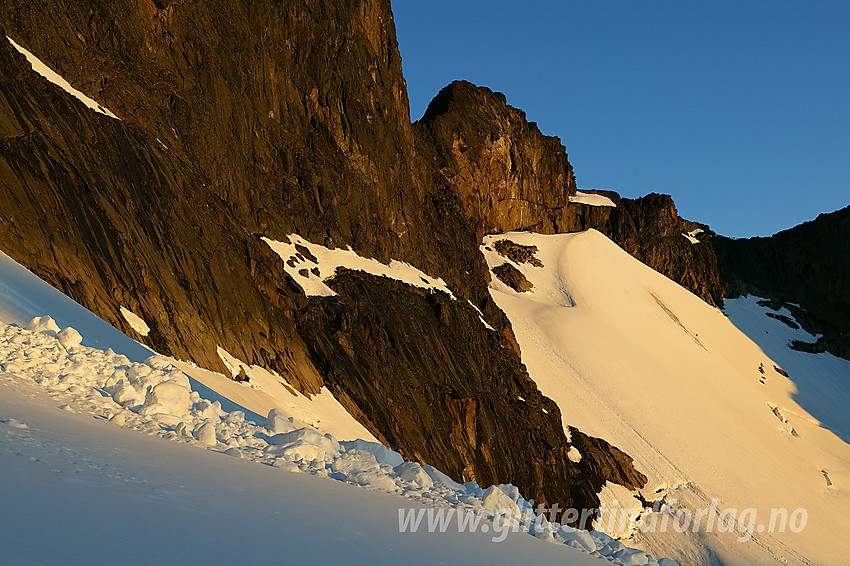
{"x":103,"y":212}
{"x":512,"y":277}
{"x":807,"y":266}
{"x":517,"y":253}
{"x":509,"y":176}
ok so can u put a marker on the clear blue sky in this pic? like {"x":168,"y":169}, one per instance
{"x":740,"y":110}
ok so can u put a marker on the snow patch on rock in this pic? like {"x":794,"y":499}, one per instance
{"x":56,"y":79}
{"x":692,"y":235}
{"x":592,"y":199}
{"x":135,"y":321}
{"x":310,"y":265}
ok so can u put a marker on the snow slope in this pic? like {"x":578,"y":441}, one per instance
{"x":822,"y":381}
{"x":86,"y":492}
{"x":79,"y":491}
{"x":634,"y":358}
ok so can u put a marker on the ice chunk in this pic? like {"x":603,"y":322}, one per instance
{"x":118,"y":418}
{"x":473,"y":489}
{"x":69,"y":337}
{"x":497,"y":501}
{"x":355,"y":461}
{"x":167,"y":397}
{"x":631,"y":557}
{"x":166,"y":419}
{"x":306,"y":435}
{"x":206,"y":434}
{"x":278,"y":423}
{"x":381,"y":453}
{"x":442,"y":479}
{"x":158,"y":362}
{"x":579,"y":538}
{"x":179,"y":378}
{"x":413,"y":472}
{"x":43,"y":324}
{"x":138,"y":371}
{"x":301,"y":451}
{"x":124,"y":393}
{"x":235,"y":417}
{"x":209,"y":411}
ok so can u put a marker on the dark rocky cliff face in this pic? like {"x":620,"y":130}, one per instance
{"x":103,"y":212}
{"x":807,"y":265}
{"x":256,"y":119}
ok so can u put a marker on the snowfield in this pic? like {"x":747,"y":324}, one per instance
{"x":322,"y":411}
{"x":634,"y":358}
{"x":822,"y":381}
{"x":79,"y":474}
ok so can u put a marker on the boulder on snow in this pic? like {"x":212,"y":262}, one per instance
{"x":517,"y":252}
{"x":513,"y":278}
{"x":781,"y":371}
